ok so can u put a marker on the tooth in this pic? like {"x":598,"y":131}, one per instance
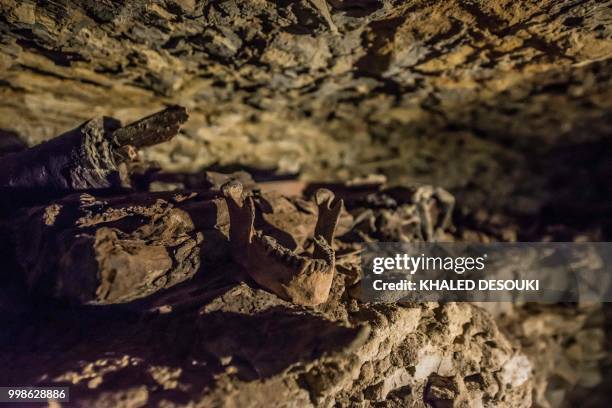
{"x":319,"y":247}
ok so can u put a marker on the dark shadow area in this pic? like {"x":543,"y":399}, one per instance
{"x":10,"y":142}
{"x":123,"y":346}
{"x":357,"y":8}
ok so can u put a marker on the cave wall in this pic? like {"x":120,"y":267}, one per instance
{"x":486,"y":98}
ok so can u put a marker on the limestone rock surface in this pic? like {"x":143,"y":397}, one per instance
{"x":486,"y":99}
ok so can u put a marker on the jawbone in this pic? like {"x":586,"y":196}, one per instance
{"x":300,"y":276}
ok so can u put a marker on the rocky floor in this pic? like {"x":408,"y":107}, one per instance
{"x":239,"y":346}
{"x":223,"y":343}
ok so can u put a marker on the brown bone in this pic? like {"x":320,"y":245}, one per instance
{"x":88,"y":157}
{"x":104,"y":250}
{"x":295,"y":275}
